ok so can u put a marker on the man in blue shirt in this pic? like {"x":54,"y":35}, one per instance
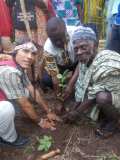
{"x":111,"y":12}
{"x":114,"y":43}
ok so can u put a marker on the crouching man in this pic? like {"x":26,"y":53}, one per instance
{"x":98,"y":83}
{"x":15,"y":86}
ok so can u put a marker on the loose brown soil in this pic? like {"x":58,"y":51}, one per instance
{"x":76,"y":142}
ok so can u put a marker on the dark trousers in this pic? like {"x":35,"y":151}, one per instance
{"x":115,"y":39}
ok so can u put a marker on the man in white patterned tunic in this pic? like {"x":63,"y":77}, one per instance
{"x":98,"y":83}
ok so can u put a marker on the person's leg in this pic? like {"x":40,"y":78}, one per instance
{"x":7,"y":126}
{"x":104,"y":102}
{"x":46,"y":81}
{"x":115,"y":39}
{"x":108,"y":125}
{"x":8,"y":135}
{"x":109,"y":32}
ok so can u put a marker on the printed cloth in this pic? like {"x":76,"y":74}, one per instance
{"x":94,"y":15}
{"x":27,"y":46}
{"x":93,"y":11}
{"x":12,"y":64}
{"x":67,"y":10}
{"x":13,"y":82}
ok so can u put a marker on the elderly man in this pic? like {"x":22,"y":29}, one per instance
{"x":16,"y":87}
{"x":98,"y":84}
{"x":58,"y":51}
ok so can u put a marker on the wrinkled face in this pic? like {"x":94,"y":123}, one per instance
{"x":25,"y":58}
{"x":58,"y":40}
{"x":85,"y":50}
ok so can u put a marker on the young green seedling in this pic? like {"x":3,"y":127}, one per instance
{"x":62,"y":81}
{"x":44,"y":143}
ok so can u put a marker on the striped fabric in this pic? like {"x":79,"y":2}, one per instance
{"x":67,"y":10}
{"x":102,"y":75}
{"x":12,"y":82}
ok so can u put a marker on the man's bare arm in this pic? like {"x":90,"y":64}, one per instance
{"x":85,"y":105}
{"x":38,"y":98}
{"x":28,"y":109}
{"x":73,"y":115}
{"x":74,"y":77}
{"x":71,"y":83}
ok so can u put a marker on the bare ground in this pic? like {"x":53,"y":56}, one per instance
{"x":76,"y":142}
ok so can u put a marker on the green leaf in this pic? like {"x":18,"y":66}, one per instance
{"x":44,"y":143}
{"x":59,"y":76}
{"x":47,"y":138}
{"x":63,"y":80}
{"x":61,"y":85}
{"x":65,"y":73}
{"x":40,"y":148}
{"x":29,"y":150}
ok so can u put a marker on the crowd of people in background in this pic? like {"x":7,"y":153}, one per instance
{"x":39,"y":41}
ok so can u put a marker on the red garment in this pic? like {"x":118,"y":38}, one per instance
{"x":2,"y":96}
{"x":5,"y":20}
{"x":50,"y":8}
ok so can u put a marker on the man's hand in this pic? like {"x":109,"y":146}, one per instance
{"x":67,"y":92}
{"x":53,"y":117}
{"x":71,"y":117}
{"x":49,"y":122}
{"x":81,"y":107}
{"x":46,"y":124}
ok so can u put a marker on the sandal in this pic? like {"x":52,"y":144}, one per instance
{"x":106,"y":130}
{"x":103,"y":133}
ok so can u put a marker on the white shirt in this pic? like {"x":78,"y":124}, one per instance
{"x":57,"y":52}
